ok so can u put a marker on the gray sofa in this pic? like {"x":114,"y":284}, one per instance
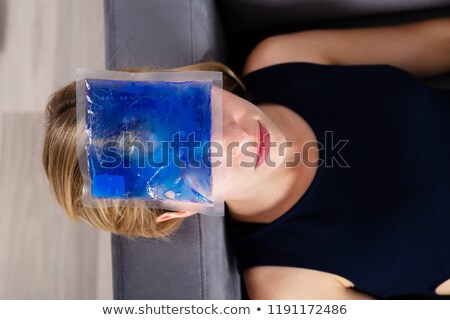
{"x":198,"y":263}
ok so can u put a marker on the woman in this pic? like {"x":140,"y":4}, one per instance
{"x":364,"y":211}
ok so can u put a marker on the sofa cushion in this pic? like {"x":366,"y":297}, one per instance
{"x":280,"y":14}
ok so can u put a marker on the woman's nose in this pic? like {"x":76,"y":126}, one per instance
{"x":234,"y":137}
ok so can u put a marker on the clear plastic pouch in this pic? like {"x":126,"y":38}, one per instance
{"x":144,"y":139}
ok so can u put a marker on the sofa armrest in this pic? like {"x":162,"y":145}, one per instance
{"x":196,"y":263}
{"x":161,"y":33}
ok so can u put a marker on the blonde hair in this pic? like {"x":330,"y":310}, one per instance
{"x":61,"y":164}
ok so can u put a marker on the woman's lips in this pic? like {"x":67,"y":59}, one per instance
{"x":263,"y":144}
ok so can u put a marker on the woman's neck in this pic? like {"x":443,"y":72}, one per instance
{"x":286,"y":184}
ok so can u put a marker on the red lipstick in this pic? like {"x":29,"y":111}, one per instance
{"x":263,"y":144}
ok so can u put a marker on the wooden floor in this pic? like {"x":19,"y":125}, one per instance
{"x":43,"y":255}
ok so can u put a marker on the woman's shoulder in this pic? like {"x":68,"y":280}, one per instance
{"x":292,"y":283}
{"x":276,"y":50}
{"x":282,"y":52}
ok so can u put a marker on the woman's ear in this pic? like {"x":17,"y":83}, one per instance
{"x":173,"y":215}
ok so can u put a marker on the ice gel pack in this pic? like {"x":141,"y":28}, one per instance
{"x":144,"y":139}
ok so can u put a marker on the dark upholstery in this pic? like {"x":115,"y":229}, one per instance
{"x":162,"y":33}
{"x":197,"y":263}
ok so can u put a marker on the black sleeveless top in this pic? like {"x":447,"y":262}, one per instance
{"x":378,"y":210}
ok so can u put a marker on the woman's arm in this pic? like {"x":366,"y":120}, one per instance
{"x":421,"y":48}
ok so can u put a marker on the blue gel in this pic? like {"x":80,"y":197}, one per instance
{"x":149,"y":140}
{"x":105,"y":186}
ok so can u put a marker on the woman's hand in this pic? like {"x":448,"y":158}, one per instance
{"x":421,"y":48}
